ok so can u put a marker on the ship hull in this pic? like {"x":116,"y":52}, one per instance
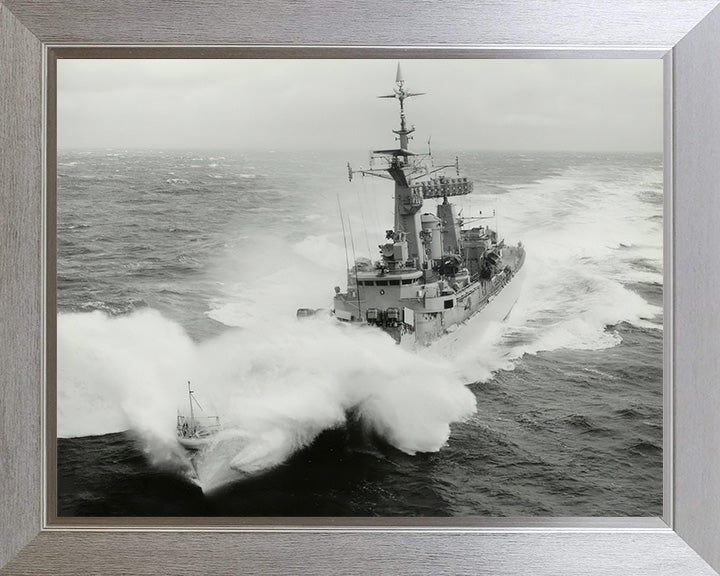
{"x":194,"y":444}
{"x":469,"y":306}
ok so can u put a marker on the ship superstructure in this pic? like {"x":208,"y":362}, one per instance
{"x":432,"y":274}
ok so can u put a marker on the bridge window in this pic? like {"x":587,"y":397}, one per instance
{"x":448,"y":304}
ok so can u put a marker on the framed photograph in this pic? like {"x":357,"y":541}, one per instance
{"x":289,"y":329}
{"x":493,"y":342}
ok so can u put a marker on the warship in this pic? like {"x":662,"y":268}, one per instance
{"x":433,"y":274}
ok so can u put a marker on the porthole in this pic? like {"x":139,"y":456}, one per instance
{"x":382,"y":292}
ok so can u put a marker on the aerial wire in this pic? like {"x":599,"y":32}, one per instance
{"x":362,"y":216}
{"x":357,"y":284}
{"x":373,"y":204}
{"x":342,"y":222}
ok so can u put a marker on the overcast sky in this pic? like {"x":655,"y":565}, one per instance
{"x":568,"y":105}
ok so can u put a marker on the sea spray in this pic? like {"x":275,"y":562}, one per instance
{"x":116,"y":373}
{"x":276,"y":386}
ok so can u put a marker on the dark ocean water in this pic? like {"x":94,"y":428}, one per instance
{"x":176,"y":266}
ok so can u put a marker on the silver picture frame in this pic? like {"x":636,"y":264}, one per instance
{"x":684,"y":33}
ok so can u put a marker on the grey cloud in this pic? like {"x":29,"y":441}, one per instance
{"x":283,"y":104}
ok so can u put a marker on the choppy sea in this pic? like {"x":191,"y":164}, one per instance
{"x":177,"y":266}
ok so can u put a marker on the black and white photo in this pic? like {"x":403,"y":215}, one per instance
{"x":359,"y":288}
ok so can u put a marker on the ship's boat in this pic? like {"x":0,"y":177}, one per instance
{"x":196,"y":432}
{"x":433,"y":273}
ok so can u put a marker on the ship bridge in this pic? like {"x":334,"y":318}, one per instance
{"x":388,"y":278}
